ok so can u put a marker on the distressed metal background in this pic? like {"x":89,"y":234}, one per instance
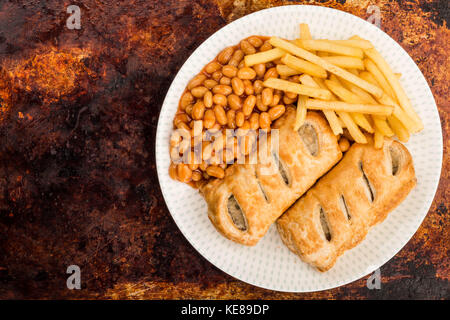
{"x":78,"y":116}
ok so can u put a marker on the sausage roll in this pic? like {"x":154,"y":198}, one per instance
{"x":244,"y":204}
{"x":336,"y":214}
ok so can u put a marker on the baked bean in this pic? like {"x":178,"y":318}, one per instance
{"x":234,"y":102}
{"x":209,"y":119}
{"x":205,"y":175}
{"x":270,"y":65}
{"x":197,"y":176}
{"x":215,"y":171}
{"x":213,"y":67}
{"x":220,"y":114}
{"x":260,"y":69}
{"x":266,"y":46}
{"x":198,"y":110}
{"x":267,"y":96}
{"x":254,"y":121}
{"x":203,"y":166}
{"x":237,"y":85}
{"x":193,"y":165}
{"x":276,"y":100}
{"x":183,"y":172}
{"x":180,"y":117}
{"x":278,"y":61}
{"x":246,"y":73}
{"x":291,"y":95}
{"x":248,"y":87}
{"x":240,"y":118}
{"x":237,"y":57}
{"x":259,"y":104}
{"x":241,"y":64}
{"x":258,"y":86}
{"x":255,"y":41}
{"x":208,"y":99}
{"x":247,"y":47}
{"x":225,"y":81}
{"x":276,"y":112}
{"x":196,"y":81}
{"x":173,"y":171}
{"x":287,"y":100}
{"x":210,"y":83}
{"x":222,"y":89}
{"x":225,"y":55}
{"x":249,"y":104}
{"x":229,"y":71}
{"x":184,"y":145}
{"x":231,"y":119}
{"x":199,"y":91}
{"x":217,"y":75}
{"x":207,"y":149}
{"x":264,"y":120}
{"x":188,"y":109}
{"x":220,"y":99}
{"x":344,"y":144}
{"x":271,"y":73}
{"x":245,"y":125}
{"x":186,"y":99}
{"x":295,"y":78}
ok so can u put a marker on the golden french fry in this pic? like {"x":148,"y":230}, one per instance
{"x":378,"y":139}
{"x":347,"y":121}
{"x":308,"y":56}
{"x":398,"y":112}
{"x":332,"y":119}
{"x":399,"y":129}
{"x":349,"y":97}
{"x":381,"y":80}
{"x":400,"y":93}
{"x":304,"y":66}
{"x":301,"y":112}
{"x":322,"y":54}
{"x":356,"y":43}
{"x":284,"y":70}
{"x":304,"y":31}
{"x":345,"y":62}
{"x":263,"y":57}
{"x":376,"y":109}
{"x":379,"y":121}
{"x":322,"y":45}
{"x":297,"y":88}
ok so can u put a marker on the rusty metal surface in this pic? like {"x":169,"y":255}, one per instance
{"x":78,"y":116}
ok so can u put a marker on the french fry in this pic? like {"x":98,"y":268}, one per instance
{"x":304,"y":31}
{"x":322,"y":54}
{"x":398,"y":75}
{"x":398,"y":112}
{"x":263,"y":57}
{"x":379,"y":121}
{"x":348,"y":122}
{"x":305,"y":34}
{"x":376,"y":109}
{"x":348,"y":96}
{"x":308,"y":56}
{"x":332,"y":119}
{"x":322,"y":45}
{"x":345,"y":62}
{"x":300,"y":116}
{"x":399,"y":129}
{"x":304,"y":66}
{"x":284,"y":70}
{"x":378,"y":139}
{"x":400,"y":93}
{"x":373,"y":69}
{"x":356,"y":43}
{"x":297,"y":88}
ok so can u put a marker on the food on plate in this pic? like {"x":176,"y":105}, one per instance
{"x":244,"y":204}
{"x":358,"y":193}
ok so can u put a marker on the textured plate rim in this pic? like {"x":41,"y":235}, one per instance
{"x":346,"y":15}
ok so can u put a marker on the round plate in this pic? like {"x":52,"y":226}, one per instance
{"x":270,"y":264}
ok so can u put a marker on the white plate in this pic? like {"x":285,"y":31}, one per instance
{"x":270,"y":264}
